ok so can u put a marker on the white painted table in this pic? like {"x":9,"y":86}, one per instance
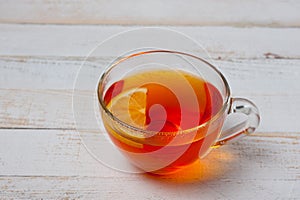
{"x":42,"y":44}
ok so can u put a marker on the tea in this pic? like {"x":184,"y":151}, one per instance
{"x":161,"y":118}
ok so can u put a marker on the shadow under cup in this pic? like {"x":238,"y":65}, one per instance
{"x":202,"y":98}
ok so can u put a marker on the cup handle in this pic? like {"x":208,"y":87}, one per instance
{"x":244,"y":106}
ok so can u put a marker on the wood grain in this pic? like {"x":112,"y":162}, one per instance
{"x":51,"y":109}
{"x":220,"y":42}
{"x":133,"y":12}
{"x":143,"y":188}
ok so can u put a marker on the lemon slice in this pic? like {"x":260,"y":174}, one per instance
{"x":130,"y":107}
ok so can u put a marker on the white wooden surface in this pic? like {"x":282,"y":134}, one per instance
{"x":256,"y":44}
{"x":282,"y":13}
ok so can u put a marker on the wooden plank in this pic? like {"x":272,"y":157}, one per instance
{"x":59,"y":73}
{"x":133,"y":12}
{"x":36,"y":109}
{"x":52,"y":109}
{"x":143,"y":187}
{"x":220,"y":42}
{"x":53,"y":163}
{"x":60,"y":153}
{"x":43,"y":97}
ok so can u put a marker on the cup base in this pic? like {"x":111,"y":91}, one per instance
{"x":169,"y":170}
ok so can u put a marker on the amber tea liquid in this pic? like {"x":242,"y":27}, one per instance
{"x":165,"y":107}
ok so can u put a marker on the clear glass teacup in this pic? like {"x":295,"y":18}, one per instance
{"x":165,"y":109}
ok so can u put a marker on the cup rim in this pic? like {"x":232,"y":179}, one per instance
{"x":134,"y":128}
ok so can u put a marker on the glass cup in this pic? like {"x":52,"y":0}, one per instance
{"x":165,"y":150}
